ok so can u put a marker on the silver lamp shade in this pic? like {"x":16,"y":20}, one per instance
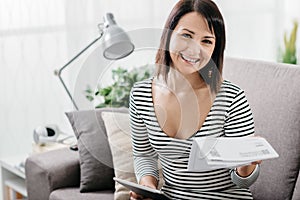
{"x":116,"y":43}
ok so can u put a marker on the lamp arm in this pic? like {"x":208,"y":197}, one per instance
{"x":58,"y":72}
{"x":68,"y":92}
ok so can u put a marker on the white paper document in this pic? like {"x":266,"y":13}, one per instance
{"x":214,"y":153}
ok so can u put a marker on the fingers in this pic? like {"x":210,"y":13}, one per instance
{"x":256,"y":162}
{"x":135,"y":196}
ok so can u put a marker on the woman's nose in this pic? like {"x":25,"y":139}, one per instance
{"x":194,"y":48}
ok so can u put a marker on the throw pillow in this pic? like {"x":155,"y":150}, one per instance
{"x":119,"y":137}
{"x":118,"y":133}
{"x":96,"y":166}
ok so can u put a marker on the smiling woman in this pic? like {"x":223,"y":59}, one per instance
{"x":191,"y":46}
{"x":186,"y":99}
{"x":210,"y":26}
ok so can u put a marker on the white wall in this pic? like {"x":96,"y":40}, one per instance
{"x":32,"y":45}
{"x":39,"y":36}
{"x":255,"y":28}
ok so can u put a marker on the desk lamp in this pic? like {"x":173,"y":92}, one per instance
{"x":116,"y":44}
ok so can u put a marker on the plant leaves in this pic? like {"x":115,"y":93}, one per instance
{"x":117,"y":94}
{"x":289,"y":55}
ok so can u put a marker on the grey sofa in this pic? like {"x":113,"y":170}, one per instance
{"x":274,"y":95}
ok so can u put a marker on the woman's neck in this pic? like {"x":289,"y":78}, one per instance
{"x":178,"y":82}
{"x":196,"y":81}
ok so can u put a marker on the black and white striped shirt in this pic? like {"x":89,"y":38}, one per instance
{"x":230,"y":116}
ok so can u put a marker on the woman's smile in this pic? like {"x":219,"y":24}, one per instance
{"x":189,"y":59}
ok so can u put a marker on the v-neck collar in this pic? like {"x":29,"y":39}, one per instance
{"x":205,"y":121}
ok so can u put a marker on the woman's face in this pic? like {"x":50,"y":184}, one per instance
{"x":192,"y":43}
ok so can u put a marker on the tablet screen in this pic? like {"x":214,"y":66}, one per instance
{"x":146,"y":192}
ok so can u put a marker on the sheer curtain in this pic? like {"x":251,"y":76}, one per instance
{"x":255,"y":28}
{"x":32,"y":44}
{"x":39,"y":36}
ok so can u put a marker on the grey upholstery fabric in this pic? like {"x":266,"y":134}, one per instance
{"x":296,"y":195}
{"x":274,"y":96}
{"x":95,"y":156}
{"x":74,"y":194}
{"x":46,"y":172}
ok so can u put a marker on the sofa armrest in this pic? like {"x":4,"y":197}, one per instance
{"x":48,"y":171}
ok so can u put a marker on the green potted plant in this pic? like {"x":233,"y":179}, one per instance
{"x":117,"y":94}
{"x":289,"y":53}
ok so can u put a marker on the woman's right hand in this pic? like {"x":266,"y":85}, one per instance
{"x":135,"y":196}
{"x":148,"y":181}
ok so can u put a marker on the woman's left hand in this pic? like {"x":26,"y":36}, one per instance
{"x":246,"y":170}
{"x":256,"y":162}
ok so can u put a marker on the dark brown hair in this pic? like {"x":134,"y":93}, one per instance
{"x":211,"y":13}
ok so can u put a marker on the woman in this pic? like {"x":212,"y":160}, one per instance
{"x":188,"y":99}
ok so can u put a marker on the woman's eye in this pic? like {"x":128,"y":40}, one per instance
{"x":186,"y":35}
{"x":207,"y":41}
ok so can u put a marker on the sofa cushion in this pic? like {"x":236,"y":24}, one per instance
{"x":94,"y":153}
{"x":74,"y":194}
{"x":50,"y":170}
{"x":119,"y":137}
{"x":273,"y":93}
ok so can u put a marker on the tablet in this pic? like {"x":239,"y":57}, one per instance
{"x":146,"y":192}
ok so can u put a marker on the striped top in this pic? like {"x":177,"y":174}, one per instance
{"x":230,"y":116}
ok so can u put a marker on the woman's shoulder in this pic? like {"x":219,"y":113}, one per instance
{"x":229,"y":87}
{"x":144,"y":85}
